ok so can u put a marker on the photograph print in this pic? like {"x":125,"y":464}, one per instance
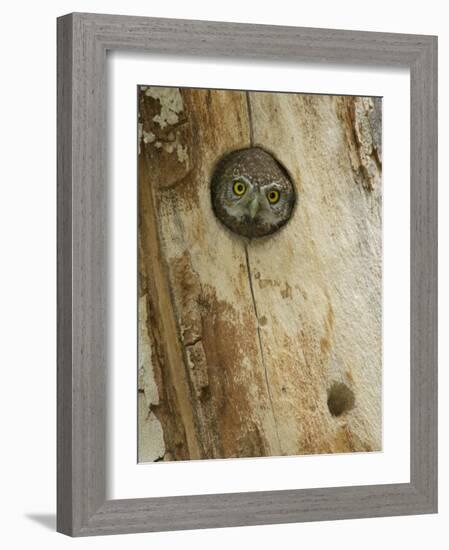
{"x":259,"y":274}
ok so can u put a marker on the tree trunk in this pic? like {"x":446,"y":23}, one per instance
{"x":270,"y":346}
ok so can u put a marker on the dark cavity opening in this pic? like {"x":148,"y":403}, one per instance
{"x":340,"y":399}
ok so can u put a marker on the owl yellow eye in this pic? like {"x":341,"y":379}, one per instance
{"x":273,"y":196}
{"x":239,"y":188}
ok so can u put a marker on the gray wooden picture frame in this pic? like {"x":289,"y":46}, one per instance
{"x":83,"y":40}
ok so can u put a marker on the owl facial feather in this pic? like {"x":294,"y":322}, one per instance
{"x":250,"y":213}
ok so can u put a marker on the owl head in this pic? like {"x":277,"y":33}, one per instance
{"x":252,"y":193}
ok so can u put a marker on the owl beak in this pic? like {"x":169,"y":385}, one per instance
{"x":254,"y":207}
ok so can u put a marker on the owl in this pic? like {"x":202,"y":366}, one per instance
{"x":252,"y":193}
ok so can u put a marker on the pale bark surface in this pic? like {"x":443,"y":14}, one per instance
{"x":268,"y":347}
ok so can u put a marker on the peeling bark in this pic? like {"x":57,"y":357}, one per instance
{"x":269,"y":347}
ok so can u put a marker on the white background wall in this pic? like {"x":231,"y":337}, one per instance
{"x":27,"y":289}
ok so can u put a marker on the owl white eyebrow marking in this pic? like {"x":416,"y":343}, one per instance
{"x":274,"y":184}
{"x":242,"y":178}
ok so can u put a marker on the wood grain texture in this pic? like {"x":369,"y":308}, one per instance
{"x":423,"y":273}
{"x":64,"y":278}
{"x":270,"y":332}
{"x":318,"y":282}
{"x":83,"y":40}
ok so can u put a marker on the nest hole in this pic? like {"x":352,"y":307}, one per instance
{"x":340,"y":399}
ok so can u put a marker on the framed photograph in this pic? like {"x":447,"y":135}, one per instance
{"x":247,"y":280}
